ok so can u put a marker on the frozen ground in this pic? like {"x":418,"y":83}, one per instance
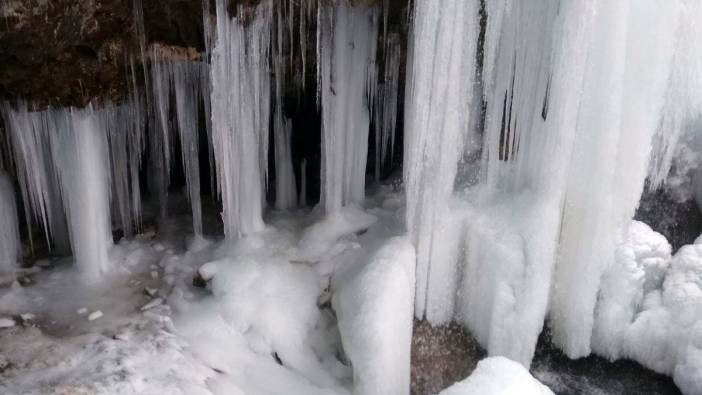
{"x":263,"y":322}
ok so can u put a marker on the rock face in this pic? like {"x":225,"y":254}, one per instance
{"x":67,"y":52}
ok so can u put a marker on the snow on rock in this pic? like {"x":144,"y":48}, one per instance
{"x":498,"y":376}
{"x":375,"y":313}
{"x":650,"y":314}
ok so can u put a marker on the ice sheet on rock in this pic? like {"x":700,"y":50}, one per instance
{"x":375,"y":313}
{"x":240,"y":100}
{"x":498,"y":376}
{"x":347,"y":40}
{"x":10,"y":245}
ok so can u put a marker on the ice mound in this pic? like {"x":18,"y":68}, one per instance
{"x":375,"y":313}
{"x":498,"y":376}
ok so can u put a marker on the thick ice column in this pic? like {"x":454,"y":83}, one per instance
{"x":441,"y":70}
{"x":624,"y":84}
{"x":79,"y":151}
{"x":10,"y":246}
{"x":346,"y":59}
{"x":240,"y":100}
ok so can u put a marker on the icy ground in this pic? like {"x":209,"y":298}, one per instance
{"x":272,"y":313}
{"x":263,"y":323}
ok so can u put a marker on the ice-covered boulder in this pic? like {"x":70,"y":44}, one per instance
{"x":650,"y":307}
{"x":375,"y":311}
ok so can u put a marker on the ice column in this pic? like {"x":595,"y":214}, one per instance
{"x":9,"y":231}
{"x":240,"y":100}
{"x":347,"y":41}
{"x":385,"y":111}
{"x":80,"y":153}
{"x":437,"y":112}
{"x":621,"y":107}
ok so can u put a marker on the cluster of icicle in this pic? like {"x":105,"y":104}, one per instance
{"x":574,"y":94}
{"x":91,"y":158}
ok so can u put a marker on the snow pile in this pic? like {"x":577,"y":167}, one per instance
{"x":263,"y":309}
{"x":498,"y":376}
{"x":650,"y":307}
{"x":9,"y":231}
{"x":375,"y":313}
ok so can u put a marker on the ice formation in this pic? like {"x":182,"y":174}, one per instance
{"x":650,"y":307}
{"x":80,"y":151}
{"x":498,"y":376}
{"x":386,"y":104}
{"x":347,"y":43}
{"x":10,"y":246}
{"x":441,"y":67}
{"x":541,"y":207}
{"x":240,"y":100}
{"x":375,"y":313}
{"x":63,"y":156}
{"x":285,"y":187}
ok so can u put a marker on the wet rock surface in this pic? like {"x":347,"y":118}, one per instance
{"x":441,"y":356}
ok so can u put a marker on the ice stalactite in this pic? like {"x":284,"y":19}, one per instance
{"x":29,"y":138}
{"x":346,"y":57}
{"x":125,"y":132}
{"x":385,"y":111}
{"x":186,"y":86}
{"x":675,"y":143}
{"x":68,"y":162}
{"x":303,"y":183}
{"x":160,"y":147}
{"x":10,"y":245}
{"x":240,"y":100}
{"x":177,"y":93}
{"x":437,"y":110}
{"x":80,"y":150}
{"x":285,"y":188}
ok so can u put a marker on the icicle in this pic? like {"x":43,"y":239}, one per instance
{"x":303,"y":41}
{"x":160,"y":141}
{"x":285,"y":190}
{"x":186,"y":80}
{"x":29,"y":137}
{"x":437,"y":111}
{"x":303,"y":183}
{"x":348,"y":38}
{"x":10,"y":246}
{"x":79,"y":151}
{"x":240,"y":115}
{"x":385,"y":113}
